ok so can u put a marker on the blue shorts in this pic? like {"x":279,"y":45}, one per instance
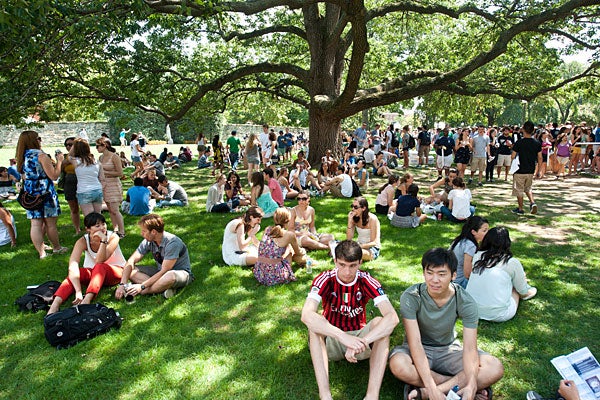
{"x":136,"y":159}
{"x":93,"y":196}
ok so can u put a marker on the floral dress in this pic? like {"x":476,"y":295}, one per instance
{"x":218,"y":154}
{"x":37,"y":182}
{"x":271,"y":268}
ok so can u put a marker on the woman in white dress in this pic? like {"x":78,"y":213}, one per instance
{"x":498,"y":280}
{"x":366,"y":225}
{"x":240,"y":244}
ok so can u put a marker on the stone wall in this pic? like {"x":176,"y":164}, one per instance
{"x":53,"y":133}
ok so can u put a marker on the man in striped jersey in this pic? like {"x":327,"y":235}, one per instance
{"x":342,"y":331}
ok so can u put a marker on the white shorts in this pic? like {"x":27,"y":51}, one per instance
{"x":444,"y":162}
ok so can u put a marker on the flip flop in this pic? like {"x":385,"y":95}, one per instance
{"x":490,"y":392}
{"x":409,"y":388}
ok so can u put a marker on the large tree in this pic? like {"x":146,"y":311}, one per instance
{"x":335,"y":58}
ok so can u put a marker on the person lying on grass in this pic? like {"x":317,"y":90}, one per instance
{"x":342,"y":330}
{"x":172,"y":268}
{"x":102,"y":265}
{"x":431,"y":361}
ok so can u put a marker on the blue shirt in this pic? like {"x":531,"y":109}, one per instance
{"x":139,"y":197}
{"x":12,"y":170}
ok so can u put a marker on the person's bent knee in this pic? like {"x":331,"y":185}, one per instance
{"x":400,"y":365}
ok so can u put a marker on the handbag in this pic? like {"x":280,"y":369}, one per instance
{"x":31,"y":202}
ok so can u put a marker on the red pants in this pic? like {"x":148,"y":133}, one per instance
{"x":101,"y":275}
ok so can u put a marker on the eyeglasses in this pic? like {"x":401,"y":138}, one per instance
{"x":69,"y":145}
{"x":302,"y":198}
{"x":355,"y":207}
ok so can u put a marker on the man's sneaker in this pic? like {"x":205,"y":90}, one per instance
{"x":480,"y":184}
{"x":469,"y":181}
{"x":531,"y":395}
{"x":169,"y":293}
{"x":533,"y":208}
{"x":517,"y":211}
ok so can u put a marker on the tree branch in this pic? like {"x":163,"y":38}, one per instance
{"x":261,"y":32}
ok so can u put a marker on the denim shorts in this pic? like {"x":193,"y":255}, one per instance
{"x":136,"y":159}
{"x":93,"y":196}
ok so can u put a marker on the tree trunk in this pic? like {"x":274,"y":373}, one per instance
{"x":325,"y":134}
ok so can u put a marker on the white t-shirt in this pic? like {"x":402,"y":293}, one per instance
{"x":461,"y":202}
{"x":492,"y":288}
{"x":346,"y":186}
{"x":4,"y":235}
{"x":134,"y":151}
{"x":369,"y":155}
{"x":265,"y":143}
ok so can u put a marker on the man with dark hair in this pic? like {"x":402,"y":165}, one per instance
{"x":529,"y":151}
{"x":234,"y":144}
{"x":342,"y":330}
{"x":171,"y":193}
{"x":137,"y":200}
{"x":431,"y":361}
{"x":444,"y":146}
{"x":172,"y":268}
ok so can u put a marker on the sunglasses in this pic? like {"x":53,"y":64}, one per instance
{"x":69,"y":145}
{"x":302,"y":198}
{"x":354,"y":207}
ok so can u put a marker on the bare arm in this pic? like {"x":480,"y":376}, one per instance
{"x":7,"y":220}
{"x":350,"y":228}
{"x":467,"y":265}
{"x":135,"y":258}
{"x":52,"y":170}
{"x":470,"y":362}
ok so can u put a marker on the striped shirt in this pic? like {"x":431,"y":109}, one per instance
{"x":344,"y":304}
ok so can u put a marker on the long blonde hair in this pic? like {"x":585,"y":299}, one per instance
{"x":281,"y":218}
{"x":250,"y":143}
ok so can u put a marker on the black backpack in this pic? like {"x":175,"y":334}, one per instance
{"x":355,"y":188}
{"x":38,"y":297}
{"x":66,"y":328}
{"x":411,"y":142}
{"x":395,"y":142}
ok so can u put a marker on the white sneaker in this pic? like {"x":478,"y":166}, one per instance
{"x":169,"y":293}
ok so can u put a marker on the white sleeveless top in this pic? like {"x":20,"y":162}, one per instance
{"x":115,"y":260}
{"x":4,"y":236}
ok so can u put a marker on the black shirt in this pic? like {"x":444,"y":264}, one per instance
{"x":527,"y":149}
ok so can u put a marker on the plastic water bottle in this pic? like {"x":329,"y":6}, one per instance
{"x":309,"y":263}
{"x":453,"y":394}
{"x":230,"y":205}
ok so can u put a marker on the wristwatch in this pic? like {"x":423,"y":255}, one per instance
{"x":143,"y":286}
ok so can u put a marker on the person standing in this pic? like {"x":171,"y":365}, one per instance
{"x":480,"y":144}
{"x":529,"y":151}
{"x":444,"y":145}
{"x":504,"y":145}
{"x":39,"y":172}
{"x":89,"y":173}
{"x":122,"y":138}
{"x":424,"y":142}
{"x":112,"y":190}
{"x":233,"y":144}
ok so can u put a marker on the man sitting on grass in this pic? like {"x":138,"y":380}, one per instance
{"x":342,"y":331}
{"x":431,"y":361}
{"x":172,"y":270}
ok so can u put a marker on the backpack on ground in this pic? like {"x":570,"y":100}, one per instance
{"x":355,"y":188}
{"x":66,"y":328}
{"x":411,"y":142}
{"x":38,"y":297}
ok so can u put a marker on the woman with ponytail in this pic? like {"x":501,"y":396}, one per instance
{"x":275,"y":252}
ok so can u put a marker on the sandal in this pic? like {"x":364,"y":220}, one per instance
{"x":62,"y":250}
{"x":490,"y":392}
{"x":409,"y":388}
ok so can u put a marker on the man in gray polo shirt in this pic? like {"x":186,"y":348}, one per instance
{"x":481,"y":150}
{"x":431,"y":360}
{"x":172,"y":268}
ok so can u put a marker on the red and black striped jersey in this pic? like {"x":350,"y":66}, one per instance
{"x":344,"y":304}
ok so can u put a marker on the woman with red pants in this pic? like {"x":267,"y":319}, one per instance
{"x":102,"y":266}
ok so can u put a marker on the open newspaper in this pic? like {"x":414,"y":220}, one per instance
{"x":582,"y":368}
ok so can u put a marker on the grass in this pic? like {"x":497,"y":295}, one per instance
{"x":227,"y":337}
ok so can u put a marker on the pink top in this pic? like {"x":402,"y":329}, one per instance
{"x":276,"y":192}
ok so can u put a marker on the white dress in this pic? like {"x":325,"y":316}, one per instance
{"x":230,"y":246}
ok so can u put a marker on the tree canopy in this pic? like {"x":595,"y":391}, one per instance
{"x":333,"y":58}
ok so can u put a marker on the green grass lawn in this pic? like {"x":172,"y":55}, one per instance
{"x":226,"y":337}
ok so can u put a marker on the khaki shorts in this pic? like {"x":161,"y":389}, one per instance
{"x":522,"y":184}
{"x":424,"y":150}
{"x":445,"y":360}
{"x":478,"y":164}
{"x":182,"y":278}
{"x":504,"y":160}
{"x":337,"y":351}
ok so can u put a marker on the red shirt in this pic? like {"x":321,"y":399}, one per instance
{"x":276,"y":193}
{"x":344,"y":304}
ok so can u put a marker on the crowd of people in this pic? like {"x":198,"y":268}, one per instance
{"x":475,"y":277}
